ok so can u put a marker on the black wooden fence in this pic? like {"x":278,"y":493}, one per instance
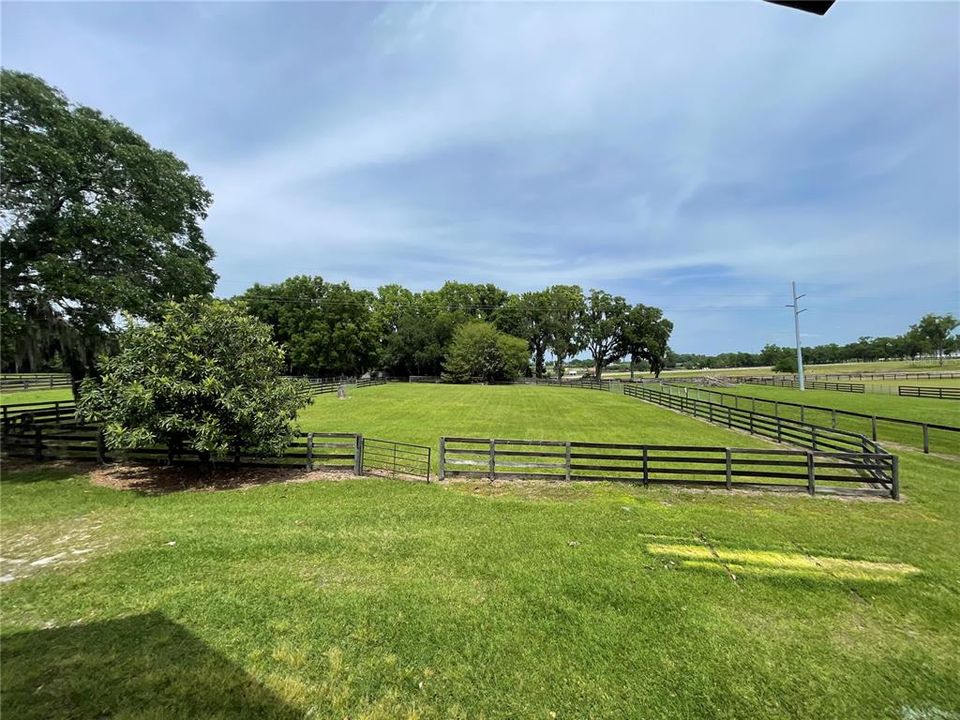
{"x":33,"y":381}
{"x":795,"y":432}
{"x":898,"y":375}
{"x":71,"y":441}
{"x":942,"y":393}
{"x":673,"y":464}
{"x":947,"y":437}
{"x":51,"y":411}
{"x":792,"y":382}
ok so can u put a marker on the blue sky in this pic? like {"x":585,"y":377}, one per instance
{"x":695,"y":156}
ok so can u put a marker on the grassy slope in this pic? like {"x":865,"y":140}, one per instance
{"x":944,"y":412}
{"x":383,"y":599}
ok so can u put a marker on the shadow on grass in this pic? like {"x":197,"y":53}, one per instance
{"x":134,"y":667}
{"x":17,"y":470}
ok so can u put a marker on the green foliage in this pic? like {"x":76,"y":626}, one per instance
{"x":566,"y":308}
{"x":527,"y":316}
{"x":324,"y":328}
{"x":206,"y":378}
{"x":480,"y":351}
{"x":786,"y":362}
{"x":933,"y":333}
{"x":601,"y":328}
{"x":645,"y":336}
{"x":98,"y":222}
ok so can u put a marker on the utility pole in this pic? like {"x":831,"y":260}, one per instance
{"x":796,"y":327}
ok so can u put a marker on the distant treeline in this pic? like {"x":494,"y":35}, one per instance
{"x":931,"y":336}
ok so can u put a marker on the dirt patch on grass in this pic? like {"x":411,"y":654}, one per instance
{"x":160,"y":479}
{"x":528,"y":488}
{"x":51,"y":544}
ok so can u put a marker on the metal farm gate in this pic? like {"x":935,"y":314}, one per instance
{"x":388,"y":457}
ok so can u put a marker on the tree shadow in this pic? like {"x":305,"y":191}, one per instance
{"x":143,"y":666}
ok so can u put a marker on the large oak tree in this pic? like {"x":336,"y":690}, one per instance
{"x":95,"y":221}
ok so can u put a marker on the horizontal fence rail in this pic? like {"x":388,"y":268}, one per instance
{"x":725,"y":467}
{"x":33,"y":381}
{"x":773,"y":427}
{"x":893,"y":375}
{"x":941,"y":393}
{"x":810,"y":384}
{"x":50,"y":411}
{"x":69,"y":441}
{"x":946,"y":436}
{"x":396,"y":458}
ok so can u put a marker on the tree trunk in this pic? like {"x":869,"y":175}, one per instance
{"x":633,"y":364}
{"x":539,"y":369}
{"x":597,"y":369}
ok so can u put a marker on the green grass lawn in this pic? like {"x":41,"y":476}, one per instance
{"x":421,"y":413}
{"x":943,"y":412}
{"x":376,"y":598}
{"x":28,"y":396}
{"x":372,"y":598}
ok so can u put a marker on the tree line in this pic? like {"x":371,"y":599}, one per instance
{"x":332,"y":329}
{"x":932,"y":335}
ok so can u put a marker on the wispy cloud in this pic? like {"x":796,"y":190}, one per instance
{"x":663,"y":150}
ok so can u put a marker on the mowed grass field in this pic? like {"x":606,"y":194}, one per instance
{"x":377,"y":598}
{"x":929,"y":410}
{"x":422,"y":413}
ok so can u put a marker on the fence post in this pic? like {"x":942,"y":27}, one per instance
{"x":873,"y":427}
{"x":646,"y":468}
{"x":309,"y":451}
{"x":926,"y":438}
{"x":358,"y":456}
{"x":776,"y":409}
{"x":566,"y":461}
{"x":802,"y":408}
{"x":37,"y":444}
{"x":895,"y":485}
{"x":833,"y":419}
{"x":441,"y":459}
{"x":751,"y":423}
{"x":729,"y":470}
{"x":729,"y":419}
{"x":811,"y":474}
{"x":753,"y":404}
{"x":493,"y":460}
{"x":779,"y":426}
{"x":710,"y":411}
{"x":101,"y":446}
